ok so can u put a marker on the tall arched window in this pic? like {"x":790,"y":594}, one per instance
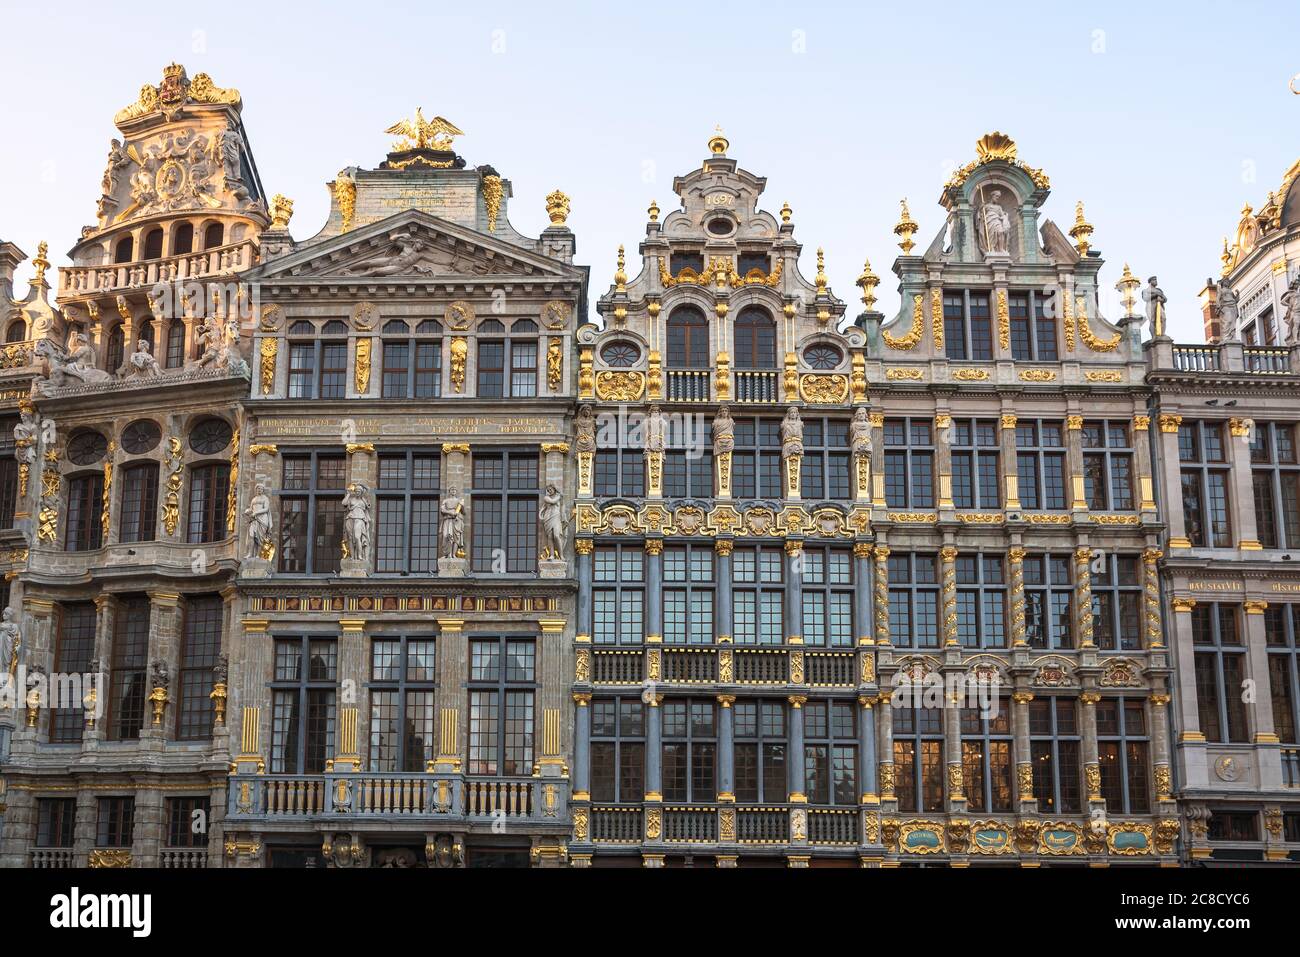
{"x":688,"y":339}
{"x":124,"y":250}
{"x":214,"y":234}
{"x":755,"y":339}
{"x":17,"y":331}
{"x":145,"y":331}
{"x":183,"y":239}
{"x":153,"y":244}
{"x":113,"y":358}
{"x":175,"y":344}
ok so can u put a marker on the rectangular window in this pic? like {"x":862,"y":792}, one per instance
{"x":618,"y":595}
{"x":1122,"y":749}
{"x":115,"y":821}
{"x":1107,"y":466}
{"x":918,"y":759}
{"x":200,"y":652}
{"x":617,"y":750}
{"x":1276,"y":484}
{"x":826,"y":459}
{"x":1280,"y":629}
{"x":914,"y":600}
{"x":84,"y":531}
{"x":1049,"y":595}
{"x":402,"y":681}
{"x":139,"y":519}
{"x":688,"y":590}
{"x":127,"y":678}
{"x":968,"y":328}
{"x":502,"y":683}
{"x":758,"y":596}
{"x":690,"y":748}
{"x":1220,"y":665}
{"x":760,"y":751}
{"x":1040,"y":464}
{"x":406,"y":506}
{"x":828,"y":597}
{"x":986,"y":758}
{"x":831,"y":753}
{"x":311,"y":512}
{"x":1054,"y":744}
{"x":188,"y":820}
{"x":1205,"y":477}
{"x":1117,"y":603}
{"x":1033,"y":326}
{"x":303,"y":698}
{"x":209,"y":490}
{"x":756,"y":459}
{"x":73,"y":654}
{"x":909,"y":463}
{"x":976,"y":477}
{"x":56,"y":821}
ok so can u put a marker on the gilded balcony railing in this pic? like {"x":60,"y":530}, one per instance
{"x":690,"y":665}
{"x":762,"y":825}
{"x":616,"y":825}
{"x":761,"y":666}
{"x":616,"y":667}
{"x":832,"y":826}
{"x":830,"y":669}
{"x":690,"y":825}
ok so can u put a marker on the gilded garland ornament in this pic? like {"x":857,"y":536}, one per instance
{"x":492,"y":193}
{"x":936,"y":317}
{"x":1090,"y":338}
{"x":913,"y":335}
{"x":270,"y":348}
{"x":361,"y":377}
{"x":345,"y":197}
{"x":1004,"y":321}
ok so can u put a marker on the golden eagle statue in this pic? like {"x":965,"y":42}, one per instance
{"x":422,"y":134}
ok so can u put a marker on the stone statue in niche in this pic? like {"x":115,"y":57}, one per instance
{"x":356,"y":523}
{"x":860,"y":433}
{"x":1155,"y":299}
{"x":258,"y":514}
{"x":550,"y":525}
{"x":995,"y":225}
{"x":10,"y":642}
{"x":792,"y":433}
{"x":585,"y":430}
{"x":1290,"y":313}
{"x":654,"y":429}
{"x":209,"y":340}
{"x":724,"y":431}
{"x":454,"y":511}
{"x":1229,"y":312}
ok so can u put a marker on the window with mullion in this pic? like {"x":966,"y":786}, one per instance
{"x":318,"y":367}
{"x":688,"y":338}
{"x":1220,"y":665}
{"x":618,"y":595}
{"x":620,"y":472}
{"x":406,"y":507}
{"x":1033,"y":326}
{"x":830,"y":752}
{"x":976,"y":478}
{"x":72,"y":656}
{"x":1040,"y":465}
{"x":200,"y":651}
{"x":756,"y":459}
{"x":909,"y":463}
{"x":8,"y":472}
{"x":761,"y":742}
{"x":1117,"y":603}
{"x":981,"y":601}
{"x":758,"y":596}
{"x":918,"y":758}
{"x":127,"y":672}
{"x":84,"y":529}
{"x":1282,"y":639}
{"x":1205,"y":478}
{"x":187,"y":819}
{"x":688,"y":593}
{"x":56,"y":821}
{"x":618,"y":750}
{"x":690,"y":751}
{"x":1275,"y":478}
{"x":502,"y":688}
{"x":1123,"y":750}
{"x":825,"y":469}
{"x":209,"y":498}
{"x":913,"y":600}
{"x":402,"y":683}
{"x":504,"y":514}
{"x":1107,"y":466}
{"x":412,"y":365}
{"x":304,"y":689}
{"x":114,"y":821}
{"x":138,"y":521}
{"x":827,"y":585}
{"x":1054,"y":746}
{"x":986,"y":757}
{"x":688,"y":465}
{"x":1049,"y":598}
{"x":967,"y":323}
{"x":311,"y":511}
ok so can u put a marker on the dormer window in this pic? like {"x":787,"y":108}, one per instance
{"x":967,"y":324}
{"x":1033,"y":328}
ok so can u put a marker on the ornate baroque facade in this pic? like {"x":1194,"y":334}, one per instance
{"x":369,"y":550}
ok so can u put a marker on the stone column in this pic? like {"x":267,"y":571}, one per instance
{"x":878,"y":460}
{"x":862,"y":593}
{"x":885,"y":737}
{"x":1024,"y":753}
{"x":654,"y":611}
{"x":1191,"y":739}
{"x":164,"y":646}
{"x":352,"y":666}
{"x":1091,"y":761}
{"x":943,"y":458}
{"x":1083,"y":595}
{"x":653,"y":748}
{"x":1160,"y":745}
{"x":1074,"y":459}
{"x":880,"y":590}
{"x":1242,"y":498}
{"x":1259,"y":711}
{"x":726,"y":749}
{"x":1007,"y":447}
{"x":956,"y":784}
{"x":582,"y":747}
{"x":108,"y":506}
{"x":106,"y":612}
{"x":150,"y":826}
{"x":948,"y":592}
{"x":795,"y":768}
{"x":1167,"y":459}
{"x":1143,"y":466}
{"x":794,"y":592}
{"x":1016,"y":594}
{"x":556,"y":458}
{"x":583,"y":548}
{"x":867,"y":745}
{"x":1155,"y":637}
{"x":363,"y":469}
{"x":456,"y":477}
{"x":722,"y":619}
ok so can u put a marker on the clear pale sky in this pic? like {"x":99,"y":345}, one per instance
{"x":1164,"y":118}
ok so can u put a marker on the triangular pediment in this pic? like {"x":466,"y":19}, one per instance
{"x":414,"y":246}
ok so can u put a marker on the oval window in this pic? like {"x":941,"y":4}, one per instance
{"x":620,"y":354}
{"x":822,"y":357}
{"x":210,"y":436}
{"x":86,"y":448}
{"x":141,"y":436}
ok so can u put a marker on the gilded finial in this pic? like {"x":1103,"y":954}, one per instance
{"x":868,"y":282}
{"x":786,"y":213}
{"x":1226,"y":258}
{"x":1127,"y":288}
{"x":905,"y":228}
{"x":1081,"y":231}
{"x":281,"y":211}
{"x":821,"y":271}
{"x":557,"y":207}
{"x":620,"y":277}
{"x":718,"y":143}
{"x":653,"y":211}
{"x":41,"y":262}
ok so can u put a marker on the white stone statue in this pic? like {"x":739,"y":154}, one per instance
{"x":76,"y":366}
{"x":792,"y":433}
{"x":654,"y":429}
{"x":141,"y":363}
{"x":258,"y":514}
{"x":551,"y":524}
{"x":585,"y":430}
{"x":1291,"y":314}
{"x":1229,"y":312}
{"x":724,"y":431}
{"x":25,"y":435}
{"x":229,"y":356}
{"x":1155,"y":299}
{"x":860,"y":433}
{"x":454,"y":510}
{"x":10,"y":641}
{"x":356,"y":523}
{"x":995,"y":226}
{"x":210,"y":341}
